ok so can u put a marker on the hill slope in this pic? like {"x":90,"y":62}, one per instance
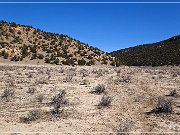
{"x":25,"y":43}
{"x":166,"y":52}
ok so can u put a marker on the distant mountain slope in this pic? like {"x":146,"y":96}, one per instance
{"x":166,"y":52}
{"x":25,"y":43}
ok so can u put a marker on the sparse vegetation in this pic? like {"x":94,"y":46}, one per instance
{"x":7,"y":94}
{"x":31,"y":116}
{"x":162,"y":106}
{"x":173,"y":93}
{"x":105,"y":101}
{"x":58,"y":101}
{"x":100,"y":88}
{"x":40,"y":98}
{"x":31,"y":90}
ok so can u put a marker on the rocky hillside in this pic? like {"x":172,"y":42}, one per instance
{"x":22,"y":43}
{"x":166,"y":52}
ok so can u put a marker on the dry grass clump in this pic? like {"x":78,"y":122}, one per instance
{"x":69,"y":77}
{"x":162,"y":106}
{"x":100,"y":88}
{"x":41,"y":81}
{"x":105,"y":101}
{"x":173,"y":93}
{"x":122,"y":79}
{"x":40,"y":98}
{"x":10,"y":83}
{"x":122,"y":129}
{"x":33,"y":115}
{"x":8,"y":94}
{"x":58,"y":101}
{"x":31,"y":90}
{"x":83,"y":72}
{"x":99,"y":73}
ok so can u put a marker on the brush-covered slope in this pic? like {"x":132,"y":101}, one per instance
{"x":166,"y":52}
{"x":30,"y":45}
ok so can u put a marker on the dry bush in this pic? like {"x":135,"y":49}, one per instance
{"x":105,"y":101}
{"x":30,"y":75}
{"x":41,"y":81}
{"x":31,"y":90}
{"x":10,"y":83}
{"x":162,"y":106}
{"x":122,"y":129}
{"x":100,"y":88}
{"x":40,"y":98}
{"x":58,"y":101}
{"x":69,"y":77}
{"x":123,"y":78}
{"x":83,"y":72}
{"x":99,"y":73}
{"x":126,"y":78}
{"x":7,"y":94}
{"x":33,"y":115}
{"x":61,"y":70}
{"x":173,"y":93}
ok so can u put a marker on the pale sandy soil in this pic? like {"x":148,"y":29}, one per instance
{"x":133,"y":90}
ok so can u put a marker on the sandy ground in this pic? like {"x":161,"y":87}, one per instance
{"x":133,"y":90}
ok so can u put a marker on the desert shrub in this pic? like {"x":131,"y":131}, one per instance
{"x":105,"y":101}
{"x":99,"y":73}
{"x":69,"y":77}
{"x":31,"y":90}
{"x":6,"y":55}
{"x":80,"y":47}
{"x":40,"y":56}
{"x":123,"y":128}
{"x":52,"y":57}
{"x":19,"y":32}
{"x":41,"y":81}
{"x":33,"y":115}
{"x":24,"y":51}
{"x":69,"y":61}
{"x":100,"y":88}
{"x":173,"y":93}
{"x":15,"y":58}
{"x":33,"y":49}
{"x":7,"y":94}
{"x":58,"y":101}
{"x":70,"y":55}
{"x":56,"y":61}
{"x":162,"y":106}
{"x":113,"y":63}
{"x":125,"y":78}
{"x":47,"y":60}
{"x":83,"y":72}
{"x":34,"y":55}
{"x":48,"y":50}
{"x":81,"y":62}
{"x":104,"y":61}
{"x":174,"y":75}
{"x":10,"y":83}
{"x":40,"y":98}
{"x":91,"y":62}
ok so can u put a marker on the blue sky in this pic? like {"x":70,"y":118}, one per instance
{"x":106,"y":26}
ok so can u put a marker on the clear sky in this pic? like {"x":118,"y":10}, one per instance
{"x":106,"y":26}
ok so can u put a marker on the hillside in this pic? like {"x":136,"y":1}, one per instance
{"x":26,"y":44}
{"x":166,"y":52}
